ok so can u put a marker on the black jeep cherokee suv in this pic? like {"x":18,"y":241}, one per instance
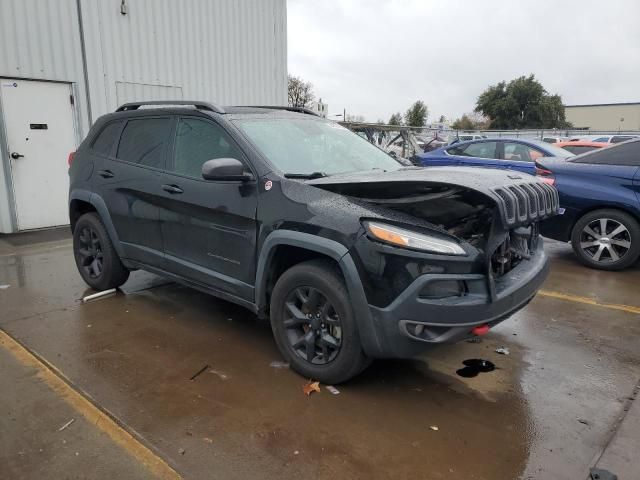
{"x":349,"y":253}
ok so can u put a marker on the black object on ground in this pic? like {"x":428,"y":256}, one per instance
{"x":474,"y":366}
{"x":199,"y":372}
{"x":598,"y":474}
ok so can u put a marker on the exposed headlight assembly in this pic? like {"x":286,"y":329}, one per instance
{"x":401,"y":237}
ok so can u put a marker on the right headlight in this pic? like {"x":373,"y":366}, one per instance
{"x":401,"y":237}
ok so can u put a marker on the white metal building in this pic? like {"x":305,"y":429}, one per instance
{"x":605,"y":116}
{"x":63,"y":63}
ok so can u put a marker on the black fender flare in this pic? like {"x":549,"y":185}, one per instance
{"x":332,"y":249}
{"x":101,"y":207}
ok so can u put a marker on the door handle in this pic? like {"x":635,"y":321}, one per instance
{"x":105,"y":173}
{"x":16,"y":155}
{"x":172,"y":189}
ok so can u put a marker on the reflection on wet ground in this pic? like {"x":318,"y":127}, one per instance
{"x":195,"y":377}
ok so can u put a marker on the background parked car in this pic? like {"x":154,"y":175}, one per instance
{"x":600,"y":204}
{"x":581,"y":146}
{"x":509,"y":153}
{"x":554,"y":139}
{"x":607,"y":138}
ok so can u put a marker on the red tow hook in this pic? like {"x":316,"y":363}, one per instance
{"x":480,"y":330}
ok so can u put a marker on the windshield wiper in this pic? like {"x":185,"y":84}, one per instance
{"x":306,"y":176}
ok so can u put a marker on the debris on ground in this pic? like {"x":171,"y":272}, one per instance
{"x":333,"y":389}
{"x":311,"y":387}
{"x":66,"y":424}
{"x":474,"y":340}
{"x":222,"y":376}
{"x":584,"y":422}
{"x":207,"y":439}
{"x":296,"y":452}
{"x":4,"y":287}
{"x":434,"y":428}
{"x":181,"y":451}
{"x":278,"y":364}
{"x":474,"y":366}
{"x":94,"y":296}
{"x":199,"y":372}
{"x":502,"y":350}
{"x":599,"y":474}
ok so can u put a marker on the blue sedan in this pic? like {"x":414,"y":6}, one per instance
{"x":600,"y":204}
{"x":508,"y":153}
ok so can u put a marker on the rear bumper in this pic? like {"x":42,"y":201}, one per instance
{"x":412,"y":323}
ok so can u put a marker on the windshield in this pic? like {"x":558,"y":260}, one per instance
{"x":305,"y":146}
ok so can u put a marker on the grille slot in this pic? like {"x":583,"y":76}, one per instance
{"x":525,"y":202}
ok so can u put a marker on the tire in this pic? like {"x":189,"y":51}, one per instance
{"x":604,"y":251}
{"x":323,"y":287}
{"x":96,"y":259}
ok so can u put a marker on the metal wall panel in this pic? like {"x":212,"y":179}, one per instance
{"x":224,"y":51}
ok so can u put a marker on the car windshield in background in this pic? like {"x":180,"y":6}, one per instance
{"x":301,"y":146}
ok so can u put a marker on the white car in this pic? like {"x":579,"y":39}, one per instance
{"x":606,"y":138}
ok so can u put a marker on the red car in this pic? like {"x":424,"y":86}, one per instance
{"x":581,"y":146}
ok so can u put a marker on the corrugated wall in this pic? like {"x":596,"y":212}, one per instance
{"x":226,"y":51}
{"x":231,"y":52}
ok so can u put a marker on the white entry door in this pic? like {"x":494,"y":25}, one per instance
{"x":39,"y":123}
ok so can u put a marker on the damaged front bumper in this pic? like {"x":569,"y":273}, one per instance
{"x":416,"y":319}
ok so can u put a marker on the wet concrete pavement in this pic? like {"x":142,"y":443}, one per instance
{"x":549,"y":410}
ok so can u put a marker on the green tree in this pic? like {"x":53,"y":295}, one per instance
{"x":416,"y":115}
{"x":463,"y":123}
{"x":521,"y":103}
{"x":396,"y":119}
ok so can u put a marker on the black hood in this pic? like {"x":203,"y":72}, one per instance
{"x":521,"y":198}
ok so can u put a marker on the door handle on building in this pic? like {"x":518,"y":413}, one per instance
{"x":16,"y":155}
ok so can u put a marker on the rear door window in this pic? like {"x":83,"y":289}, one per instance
{"x":520,"y":152}
{"x":144,"y":141}
{"x":198,"y":141}
{"x":107,"y":138}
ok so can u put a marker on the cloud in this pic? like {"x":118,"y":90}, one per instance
{"x":377,"y":57}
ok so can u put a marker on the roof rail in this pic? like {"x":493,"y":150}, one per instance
{"x":198,"y":104}
{"x":290,"y":109}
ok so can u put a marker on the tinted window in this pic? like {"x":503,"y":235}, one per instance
{"x":578,"y":149}
{"x":145,"y":141}
{"x":622,"y":154}
{"x":103,"y":144}
{"x":520,"y":152}
{"x":621,"y":138}
{"x":198,"y":141}
{"x":601,"y":140}
{"x":479,"y":149}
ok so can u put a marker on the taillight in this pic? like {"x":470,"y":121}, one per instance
{"x":545,"y":175}
{"x":70,"y":158}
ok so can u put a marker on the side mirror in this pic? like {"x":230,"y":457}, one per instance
{"x":225,"y":169}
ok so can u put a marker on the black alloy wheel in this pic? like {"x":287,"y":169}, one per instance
{"x":313,"y":327}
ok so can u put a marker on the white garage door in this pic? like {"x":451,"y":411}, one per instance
{"x":39,"y":123}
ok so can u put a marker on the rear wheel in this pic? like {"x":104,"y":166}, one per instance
{"x":96,"y":259}
{"x":314,"y":325}
{"x":606,"y":239}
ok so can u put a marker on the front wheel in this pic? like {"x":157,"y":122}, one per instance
{"x":314,"y":325}
{"x":606,"y":239}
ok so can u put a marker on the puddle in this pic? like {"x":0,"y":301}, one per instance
{"x":474,"y":366}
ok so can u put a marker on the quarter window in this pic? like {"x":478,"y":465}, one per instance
{"x":103,"y":144}
{"x":144,"y":141}
{"x":198,"y":141}
{"x":627,"y":153}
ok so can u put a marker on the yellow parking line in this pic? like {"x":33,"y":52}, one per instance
{"x":589,"y":301}
{"x":54,"y":380}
